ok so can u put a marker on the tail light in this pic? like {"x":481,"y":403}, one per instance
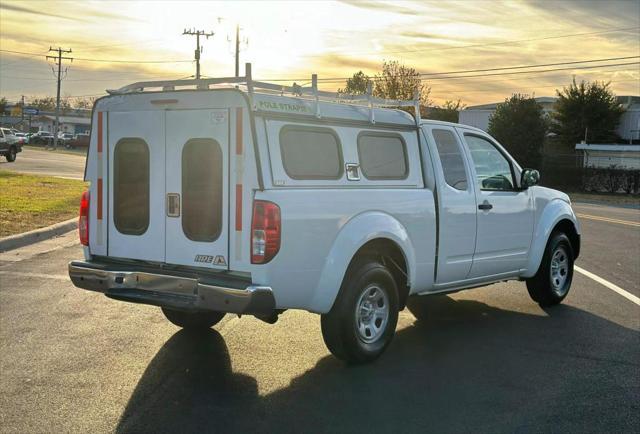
{"x":265,"y":231}
{"x":83,"y":219}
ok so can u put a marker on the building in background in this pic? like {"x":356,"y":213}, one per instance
{"x":629,"y":126}
{"x":68,"y":124}
{"x":14,"y":122}
{"x":610,"y":156}
{"x":628,"y":129}
{"x":74,"y":121}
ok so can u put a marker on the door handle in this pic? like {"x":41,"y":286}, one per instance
{"x":485,"y":206}
{"x":173,"y":205}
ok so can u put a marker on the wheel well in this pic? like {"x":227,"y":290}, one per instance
{"x":390,"y":255}
{"x":568,"y":228}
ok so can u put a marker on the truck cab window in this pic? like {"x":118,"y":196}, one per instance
{"x":382,"y":156}
{"x":451,"y":158}
{"x":310,"y":153}
{"x":492,"y":168}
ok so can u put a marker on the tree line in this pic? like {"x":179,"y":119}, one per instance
{"x":48,"y":103}
{"x":585,"y":110}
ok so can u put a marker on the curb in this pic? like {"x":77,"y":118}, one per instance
{"x":24,"y":239}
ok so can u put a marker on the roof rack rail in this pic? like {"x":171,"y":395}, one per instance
{"x":295,"y":90}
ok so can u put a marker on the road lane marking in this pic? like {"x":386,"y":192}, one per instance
{"x":608,"y":284}
{"x":36,"y":275}
{"x":608,"y":220}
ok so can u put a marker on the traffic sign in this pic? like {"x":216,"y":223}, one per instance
{"x":30,"y":111}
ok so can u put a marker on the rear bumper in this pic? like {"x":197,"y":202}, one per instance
{"x":166,"y":290}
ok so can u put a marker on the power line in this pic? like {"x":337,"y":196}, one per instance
{"x":485,"y":90}
{"x":428,"y":75}
{"x":534,"y":72}
{"x":531,"y":66}
{"x":25,"y":53}
{"x":132,"y":61}
{"x":559,"y":74}
{"x":333,"y":80}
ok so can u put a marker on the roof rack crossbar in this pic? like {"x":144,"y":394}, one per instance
{"x":367,"y":99}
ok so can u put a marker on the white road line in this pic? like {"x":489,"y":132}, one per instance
{"x":36,"y":275}
{"x":608,"y":284}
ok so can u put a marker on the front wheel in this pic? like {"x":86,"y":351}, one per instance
{"x":363,"y":319}
{"x":193,"y":320}
{"x":552,"y":282}
{"x":11,"y":156}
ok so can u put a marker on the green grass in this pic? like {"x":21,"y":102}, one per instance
{"x":29,"y":202}
{"x":60,"y":150}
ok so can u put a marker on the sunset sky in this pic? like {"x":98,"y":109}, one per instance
{"x":334,"y":39}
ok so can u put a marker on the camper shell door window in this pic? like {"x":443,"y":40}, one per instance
{"x":131,"y":186}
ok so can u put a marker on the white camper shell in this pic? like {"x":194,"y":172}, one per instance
{"x":229,"y":195}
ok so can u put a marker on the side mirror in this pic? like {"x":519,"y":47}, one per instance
{"x":529,"y":178}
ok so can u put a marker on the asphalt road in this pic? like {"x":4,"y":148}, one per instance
{"x":485,"y":360}
{"x":51,"y":163}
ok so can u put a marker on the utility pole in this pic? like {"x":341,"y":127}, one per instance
{"x":58,"y":59}
{"x":197,"y":34}
{"x":237,"y":48}
{"x":22,"y":114}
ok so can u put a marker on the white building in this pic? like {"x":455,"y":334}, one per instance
{"x":605,"y":156}
{"x":628,"y":128}
{"x":68,"y":124}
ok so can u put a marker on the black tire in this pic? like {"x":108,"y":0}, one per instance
{"x":550,"y":285}
{"x":193,"y":320}
{"x":340,"y":327}
{"x":11,"y":155}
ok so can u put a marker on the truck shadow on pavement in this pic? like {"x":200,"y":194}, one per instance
{"x":465,"y":366}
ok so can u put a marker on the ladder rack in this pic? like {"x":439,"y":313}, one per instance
{"x":296,"y":91}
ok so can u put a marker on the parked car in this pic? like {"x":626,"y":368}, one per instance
{"x":79,"y":141}
{"x":42,"y":138}
{"x":237,"y":201}
{"x":10,"y":145}
{"x":64,"y":139}
{"x":21,"y":137}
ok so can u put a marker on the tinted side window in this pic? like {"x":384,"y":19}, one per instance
{"x":202,"y":190}
{"x":131,"y":186}
{"x":492,"y":168}
{"x":451,"y":159}
{"x":382,"y":156}
{"x":310,"y":153}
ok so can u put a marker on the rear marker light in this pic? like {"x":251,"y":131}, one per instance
{"x":265,"y":231}
{"x":83,"y":219}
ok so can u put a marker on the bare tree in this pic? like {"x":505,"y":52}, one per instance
{"x":397,"y":81}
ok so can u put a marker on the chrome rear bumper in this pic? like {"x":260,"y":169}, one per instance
{"x":167,"y":290}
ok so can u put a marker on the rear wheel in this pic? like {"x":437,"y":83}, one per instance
{"x":11,"y":155}
{"x":552,"y":282}
{"x":363,"y":319}
{"x":193,"y":320}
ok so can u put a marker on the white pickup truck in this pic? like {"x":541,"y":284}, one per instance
{"x":222,"y":196}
